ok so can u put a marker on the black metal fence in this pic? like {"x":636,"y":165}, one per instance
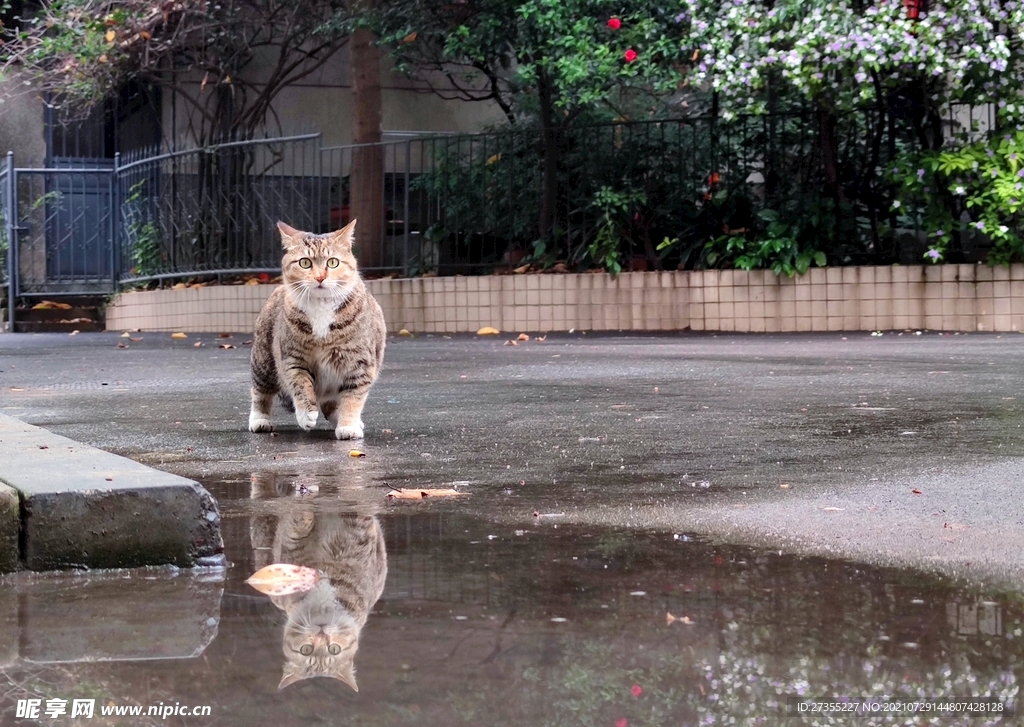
{"x":620,"y":195}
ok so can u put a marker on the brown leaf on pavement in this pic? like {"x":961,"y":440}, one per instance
{"x":420,"y":494}
{"x":282,"y":579}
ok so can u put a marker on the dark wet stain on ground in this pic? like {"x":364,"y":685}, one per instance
{"x":551,"y":624}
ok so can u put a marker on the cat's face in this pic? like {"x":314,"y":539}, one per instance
{"x":318,"y":266}
{"x":320,"y":639}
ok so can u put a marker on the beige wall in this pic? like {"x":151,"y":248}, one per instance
{"x":941,"y":297}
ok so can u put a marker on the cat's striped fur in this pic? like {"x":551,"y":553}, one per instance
{"x":319,"y":340}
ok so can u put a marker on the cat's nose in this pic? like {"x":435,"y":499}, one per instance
{"x":320,"y":275}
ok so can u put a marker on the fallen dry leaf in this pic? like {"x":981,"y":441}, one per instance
{"x":282,"y":579}
{"x":179,"y":286}
{"x":916,"y":491}
{"x":223,"y":335}
{"x":542,"y":338}
{"x":42,"y":306}
{"x":522,"y":269}
{"x":408,"y":39}
{"x":252,"y":281}
{"x":122,"y":344}
{"x":126,"y":334}
{"x":954,"y":526}
{"x":356,"y":453}
{"x":416,"y":494}
{"x":832,"y":509}
{"x":247,"y":343}
{"x":73,"y":333}
{"x":488,"y":331}
{"x":197,"y":344}
{"x":227,"y":345}
{"x":404,"y":332}
{"x":511,"y":343}
{"x":784,"y":487}
{"x":136,"y":340}
{"x":523,"y":337}
{"x":179,"y":334}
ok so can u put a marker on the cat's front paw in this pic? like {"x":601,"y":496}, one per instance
{"x":351,"y":431}
{"x":259,"y":423}
{"x":306,"y":419}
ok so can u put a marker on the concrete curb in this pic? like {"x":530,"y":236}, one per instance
{"x":81,"y":507}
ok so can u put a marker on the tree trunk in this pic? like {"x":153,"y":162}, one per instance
{"x":549,"y":193}
{"x":366,"y":192}
{"x":830,"y":153}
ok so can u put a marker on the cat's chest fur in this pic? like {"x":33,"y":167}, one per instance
{"x":321,"y":314}
{"x":328,"y":353}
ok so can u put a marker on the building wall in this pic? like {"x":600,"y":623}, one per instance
{"x":21,"y":123}
{"x":322,"y":102}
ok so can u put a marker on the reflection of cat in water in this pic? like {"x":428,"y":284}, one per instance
{"x":321,"y":635}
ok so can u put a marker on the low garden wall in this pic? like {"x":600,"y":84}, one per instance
{"x":935,"y":297}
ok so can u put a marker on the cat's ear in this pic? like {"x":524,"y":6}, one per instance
{"x":346,"y":235}
{"x":291,"y":676}
{"x":346,"y":672}
{"x":289,"y":235}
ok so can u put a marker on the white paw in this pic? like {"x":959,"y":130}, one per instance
{"x":352,"y":431}
{"x":306,"y":419}
{"x":259,"y":423}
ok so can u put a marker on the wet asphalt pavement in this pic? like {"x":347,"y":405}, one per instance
{"x":891,"y":450}
{"x":658,"y":530}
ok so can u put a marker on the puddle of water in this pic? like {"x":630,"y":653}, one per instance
{"x":443,"y":618}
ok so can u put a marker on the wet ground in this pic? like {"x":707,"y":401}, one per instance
{"x":667,"y":531}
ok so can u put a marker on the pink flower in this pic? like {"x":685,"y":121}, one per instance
{"x":637,"y":690}
{"x":630,"y":55}
{"x":621,"y":722}
{"x":614,"y":23}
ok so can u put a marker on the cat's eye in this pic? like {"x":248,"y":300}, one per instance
{"x":334,"y":649}
{"x":306,"y":649}
{"x":333,"y":262}
{"x":305,"y":262}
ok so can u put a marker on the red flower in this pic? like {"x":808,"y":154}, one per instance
{"x":264,"y":276}
{"x":614,"y":23}
{"x":637,"y":690}
{"x":630,"y":55}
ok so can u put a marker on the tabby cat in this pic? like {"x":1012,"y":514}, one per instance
{"x":321,"y":635}
{"x":319,"y":340}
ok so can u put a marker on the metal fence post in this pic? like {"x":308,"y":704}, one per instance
{"x":406,"y":217}
{"x":10,"y":196}
{"x":115,"y":218}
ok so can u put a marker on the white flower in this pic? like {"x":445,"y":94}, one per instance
{"x":1004,"y":229}
{"x":896,"y":204}
{"x":960,"y":190}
